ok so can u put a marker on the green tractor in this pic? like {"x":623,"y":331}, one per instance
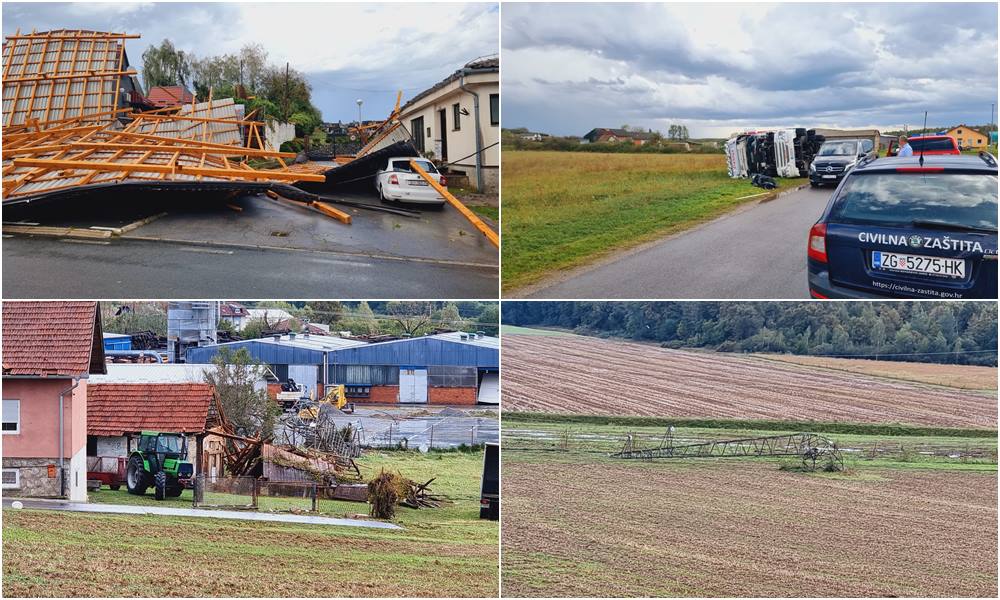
{"x":159,"y":462}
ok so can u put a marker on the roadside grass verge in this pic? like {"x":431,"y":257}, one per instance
{"x":442,"y":552}
{"x":879,"y":429}
{"x":565,"y":209}
{"x":515,"y":330}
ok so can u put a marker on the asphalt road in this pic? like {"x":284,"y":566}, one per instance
{"x":52,"y":268}
{"x":759,"y":252}
{"x":264,"y":250}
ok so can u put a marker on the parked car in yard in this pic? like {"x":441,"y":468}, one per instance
{"x":929,"y":145}
{"x":909,"y":228}
{"x":399,"y":182}
{"x":836,"y":157}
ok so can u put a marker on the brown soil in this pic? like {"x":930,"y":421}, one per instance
{"x":745,"y":530}
{"x":583,"y":375}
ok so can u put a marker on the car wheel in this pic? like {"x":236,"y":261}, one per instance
{"x":813,"y":184}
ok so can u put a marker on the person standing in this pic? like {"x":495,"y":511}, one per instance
{"x":904,"y":147}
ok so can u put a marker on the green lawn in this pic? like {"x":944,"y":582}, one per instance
{"x":565,"y":209}
{"x":446,"y":551}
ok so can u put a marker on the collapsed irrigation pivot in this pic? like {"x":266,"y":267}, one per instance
{"x":808,"y":446}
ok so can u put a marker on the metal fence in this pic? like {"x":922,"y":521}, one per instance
{"x":423,"y":435}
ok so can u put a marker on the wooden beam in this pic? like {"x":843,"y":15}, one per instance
{"x":175,"y":169}
{"x":468,"y":214}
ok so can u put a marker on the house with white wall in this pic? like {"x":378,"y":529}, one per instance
{"x":457,"y":121}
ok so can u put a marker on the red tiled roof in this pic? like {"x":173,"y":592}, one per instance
{"x":49,"y":339}
{"x":232,"y":310}
{"x":119,"y":408}
{"x":169,"y":95}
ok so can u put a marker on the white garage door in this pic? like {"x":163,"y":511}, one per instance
{"x":489,"y":389}
{"x":413,"y":386}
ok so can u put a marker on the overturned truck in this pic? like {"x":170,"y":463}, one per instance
{"x":782,"y":152}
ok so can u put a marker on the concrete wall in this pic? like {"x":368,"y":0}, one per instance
{"x":276,"y":134}
{"x":36,"y":446}
{"x":461,"y":143}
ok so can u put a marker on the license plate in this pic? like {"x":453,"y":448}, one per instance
{"x":829,"y":177}
{"x":418,"y":182}
{"x":925,"y":265}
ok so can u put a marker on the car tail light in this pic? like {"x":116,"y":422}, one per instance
{"x":818,"y":295}
{"x":484,"y":503}
{"x":393,"y":180}
{"x":817,"y":242}
{"x":919,"y":169}
{"x":443,"y":180}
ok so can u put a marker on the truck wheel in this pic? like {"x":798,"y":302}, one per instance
{"x":115,"y":487}
{"x":135,"y":477}
{"x":160,"y":485}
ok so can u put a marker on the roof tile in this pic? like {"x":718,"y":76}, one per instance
{"x":119,"y":408}
{"x":50,"y":339}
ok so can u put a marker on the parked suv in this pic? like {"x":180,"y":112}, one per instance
{"x":836,"y":157}
{"x":909,"y":228}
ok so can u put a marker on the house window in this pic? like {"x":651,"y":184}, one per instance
{"x":11,"y":479}
{"x":456,"y":113}
{"x":11,"y":416}
{"x":494,"y":109}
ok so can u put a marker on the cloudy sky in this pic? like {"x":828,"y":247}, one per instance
{"x":347,"y":51}
{"x":721,"y":68}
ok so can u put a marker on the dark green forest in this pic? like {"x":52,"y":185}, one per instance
{"x":941,"y":332}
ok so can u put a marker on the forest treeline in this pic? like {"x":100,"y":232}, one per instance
{"x":941,"y":332}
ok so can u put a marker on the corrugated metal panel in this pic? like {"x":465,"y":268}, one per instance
{"x":425,"y":351}
{"x":272,"y":354}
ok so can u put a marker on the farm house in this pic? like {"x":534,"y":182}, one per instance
{"x":447,"y":368}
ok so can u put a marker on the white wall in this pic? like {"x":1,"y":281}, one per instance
{"x":461,"y":143}
{"x":277,"y":134}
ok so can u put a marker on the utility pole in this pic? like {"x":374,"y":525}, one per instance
{"x":285,"y":111}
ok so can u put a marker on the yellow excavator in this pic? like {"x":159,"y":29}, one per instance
{"x":336,"y":396}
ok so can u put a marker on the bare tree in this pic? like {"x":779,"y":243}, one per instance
{"x":411,"y":316}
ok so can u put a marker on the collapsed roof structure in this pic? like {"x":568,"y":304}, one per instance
{"x":69,"y":127}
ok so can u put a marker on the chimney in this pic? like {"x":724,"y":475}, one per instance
{"x":480,"y":334}
{"x":291,"y":336}
{"x":277,"y":337}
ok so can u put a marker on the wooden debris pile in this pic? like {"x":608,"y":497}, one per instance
{"x":388,"y":489}
{"x":69,"y":102}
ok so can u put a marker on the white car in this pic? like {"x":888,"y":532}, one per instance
{"x":399,"y":182}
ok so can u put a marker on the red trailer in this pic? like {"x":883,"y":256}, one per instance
{"x":109,"y":470}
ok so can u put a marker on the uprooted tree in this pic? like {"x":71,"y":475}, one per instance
{"x":248,"y":410}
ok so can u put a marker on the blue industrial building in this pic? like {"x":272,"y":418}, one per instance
{"x":447,"y":368}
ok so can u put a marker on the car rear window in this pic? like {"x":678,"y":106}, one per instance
{"x":968,"y":200}
{"x":931,"y":145}
{"x":404,"y":165}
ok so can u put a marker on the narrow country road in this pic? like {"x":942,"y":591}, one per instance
{"x":759,"y":252}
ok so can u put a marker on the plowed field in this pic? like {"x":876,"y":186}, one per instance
{"x":742,"y":529}
{"x":584,"y":375}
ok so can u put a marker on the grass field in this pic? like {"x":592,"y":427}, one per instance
{"x":446,"y":551}
{"x":583,"y":524}
{"x":564,"y":209}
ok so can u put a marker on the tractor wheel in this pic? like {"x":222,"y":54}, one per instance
{"x":135,"y":478}
{"x":175,"y":490}
{"x":160,"y":485}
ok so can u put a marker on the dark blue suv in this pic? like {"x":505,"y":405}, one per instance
{"x":913,"y":227}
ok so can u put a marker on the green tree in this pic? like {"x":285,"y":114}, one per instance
{"x":165,"y":65}
{"x":249,"y":410}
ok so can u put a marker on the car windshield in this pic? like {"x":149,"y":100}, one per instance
{"x":931,"y":145}
{"x":404,"y":165}
{"x":169,"y":443}
{"x":963,"y":200}
{"x":838,"y":149}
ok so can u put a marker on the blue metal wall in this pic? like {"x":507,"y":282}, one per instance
{"x":118,"y":343}
{"x":265,"y":352}
{"x":419,"y":352}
